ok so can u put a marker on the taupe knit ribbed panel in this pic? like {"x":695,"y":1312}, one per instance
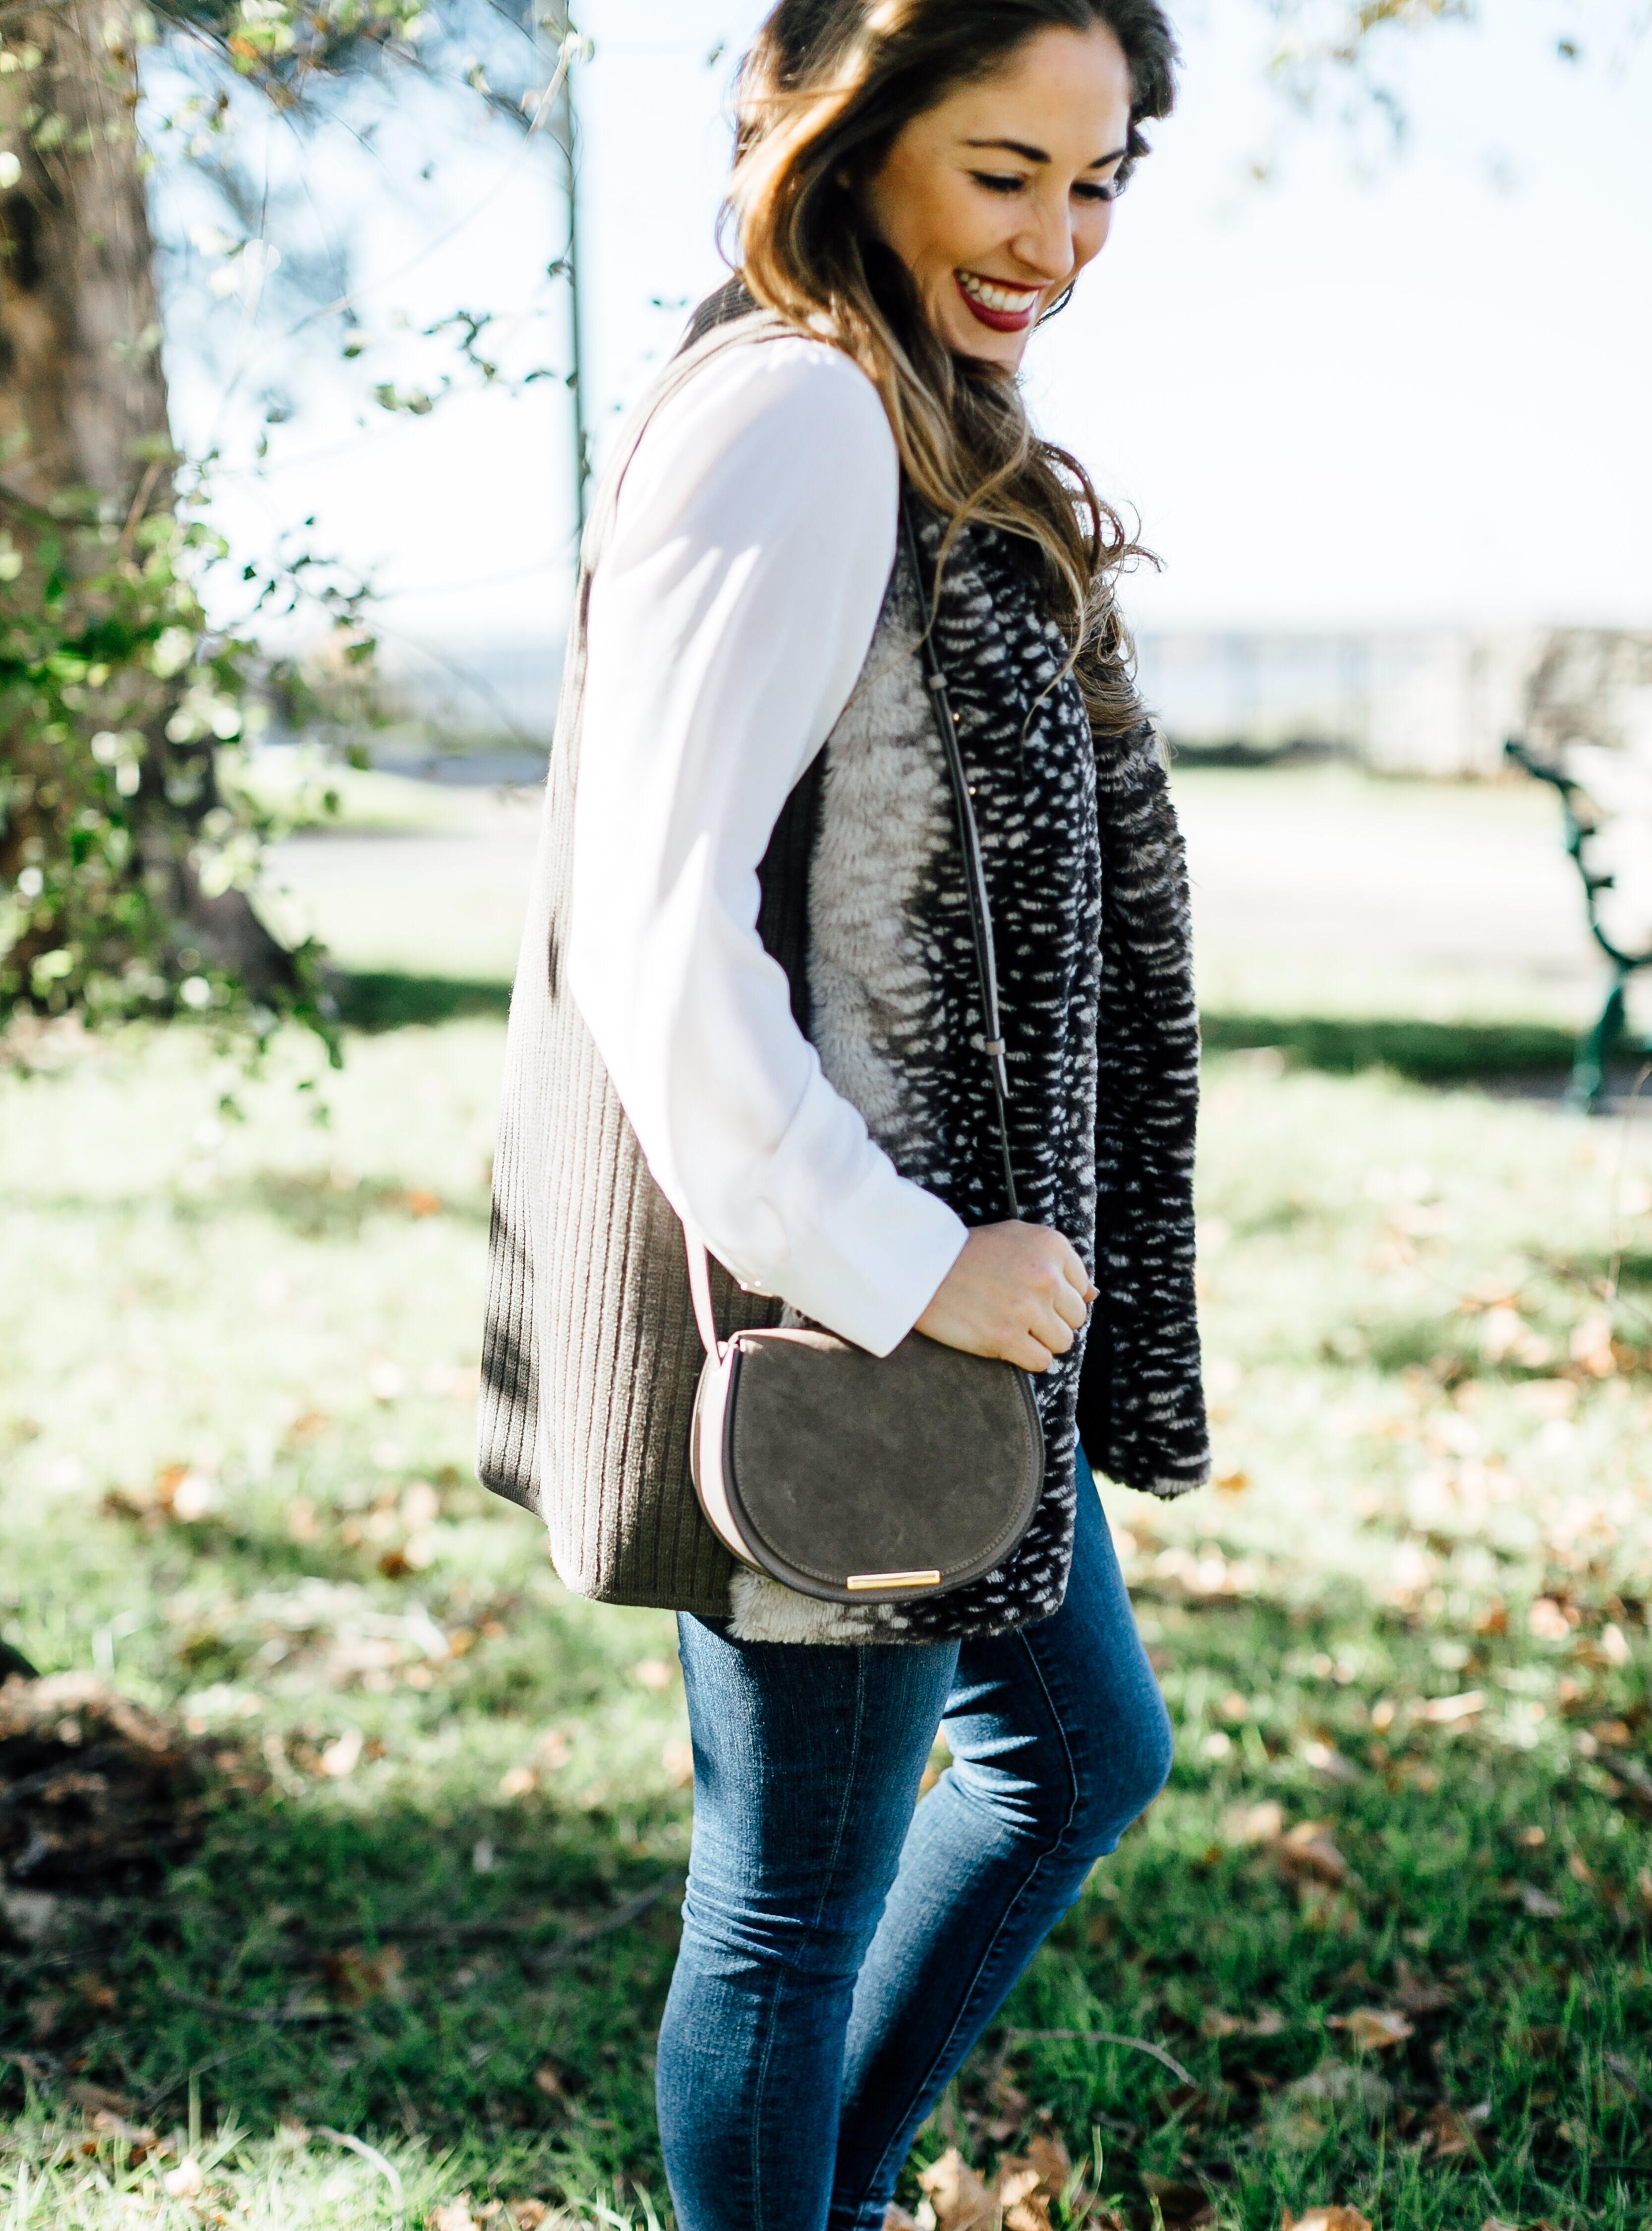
{"x":590,"y":1358}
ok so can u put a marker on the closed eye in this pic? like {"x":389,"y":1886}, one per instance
{"x":1088,"y":189}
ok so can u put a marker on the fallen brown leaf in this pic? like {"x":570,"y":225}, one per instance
{"x":1547,"y":1622}
{"x":1448,"y":1711}
{"x":94,"y":1783}
{"x":1299,"y":2131}
{"x":138,"y":2135}
{"x":960,"y":2199}
{"x":1419,"y":1995}
{"x":1374,"y":2029}
{"x":1013,"y":2106}
{"x":341,"y":1758}
{"x":1021,"y":2203}
{"x":1182,"y":2207}
{"x":1052,"y":2161}
{"x":1449,"y":2134}
{"x":526,"y":2215}
{"x":354,"y":1977}
{"x":1309,"y":1850}
{"x":1327,"y":2219}
{"x":1267,"y":2022}
{"x":1027,"y":2183}
{"x":456,"y":2216}
{"x":94,"y":2099}
{"x":1325,"y":1759}
{"x":1254,"y":1824}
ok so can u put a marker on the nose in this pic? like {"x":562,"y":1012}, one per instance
{"x":1045,"y":243}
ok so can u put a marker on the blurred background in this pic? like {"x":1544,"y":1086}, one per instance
{"x":1366,"y":356}
{"x":342,"y":1850}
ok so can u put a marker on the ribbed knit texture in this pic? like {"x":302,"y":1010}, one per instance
{"x":591,"y":1357}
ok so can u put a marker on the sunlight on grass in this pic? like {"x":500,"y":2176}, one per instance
{"x":1391,"y":1915}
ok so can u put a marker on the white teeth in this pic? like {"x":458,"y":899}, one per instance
{"x":1007,"y":301}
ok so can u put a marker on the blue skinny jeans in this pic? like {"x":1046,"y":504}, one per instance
{"x":844,"y":1946}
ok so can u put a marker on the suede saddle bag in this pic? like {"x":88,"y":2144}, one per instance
{"x":854,"y":1478}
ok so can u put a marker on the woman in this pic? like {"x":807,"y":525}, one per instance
{"x":746,"y":1007}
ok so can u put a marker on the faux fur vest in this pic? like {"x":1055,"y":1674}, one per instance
{"x":591,"y":1355}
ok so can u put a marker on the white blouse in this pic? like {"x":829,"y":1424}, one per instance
{"x":729,"y":620}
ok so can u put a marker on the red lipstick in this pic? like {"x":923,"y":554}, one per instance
{"x":998,"y":320}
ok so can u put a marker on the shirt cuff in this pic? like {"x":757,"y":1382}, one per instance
{"x":873,"y":1274}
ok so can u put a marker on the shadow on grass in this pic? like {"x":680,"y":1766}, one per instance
{"x":1429,"y":1053}
{"x":457,"y":1972}
{"x":380,"y":999}
{"x":490,"y":1976}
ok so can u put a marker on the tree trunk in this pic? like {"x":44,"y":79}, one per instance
{"x":81,"y":381}
{"x":83,"y":407}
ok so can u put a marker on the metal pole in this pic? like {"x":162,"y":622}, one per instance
{"x":566,"y":128}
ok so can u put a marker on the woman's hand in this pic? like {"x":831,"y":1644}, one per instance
{"x":1018,"y":1292}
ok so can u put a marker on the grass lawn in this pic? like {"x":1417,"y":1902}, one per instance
{"x":1391,"y":1917}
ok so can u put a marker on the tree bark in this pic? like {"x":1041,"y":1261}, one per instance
{"x":83,"y":403}
{"x":81,"y":386}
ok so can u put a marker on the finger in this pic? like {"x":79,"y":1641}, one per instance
{"x":1076,"y":1274}
{"x":1050,"y":1327}
{"x":1068,"y":1307}
{"x":1028,"y":1353}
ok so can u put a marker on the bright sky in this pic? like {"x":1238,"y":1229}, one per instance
{"x":1418,"y":391}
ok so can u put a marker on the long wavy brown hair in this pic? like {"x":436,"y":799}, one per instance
{"x":824,"y":91}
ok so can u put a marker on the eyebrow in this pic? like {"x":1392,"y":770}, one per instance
{"x":1040,"y":155}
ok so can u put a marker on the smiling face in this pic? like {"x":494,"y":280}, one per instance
{"x":996,"y":198}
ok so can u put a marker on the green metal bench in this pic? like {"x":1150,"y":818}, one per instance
{"x":1609,"y":1039}
{"x":1589,"y":736}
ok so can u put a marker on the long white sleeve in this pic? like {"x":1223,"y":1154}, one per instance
{"x":729,"y":618}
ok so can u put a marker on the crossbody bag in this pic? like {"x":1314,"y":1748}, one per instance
{"x":859,"y":1478}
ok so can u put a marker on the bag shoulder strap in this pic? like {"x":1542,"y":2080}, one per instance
{"x":969,"y":839}
{"x":986,"y":970}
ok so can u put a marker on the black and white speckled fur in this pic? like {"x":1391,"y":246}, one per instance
{"x":895,"y":1009}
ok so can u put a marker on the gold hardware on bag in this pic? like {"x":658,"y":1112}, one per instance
{"x":859,"y":1580}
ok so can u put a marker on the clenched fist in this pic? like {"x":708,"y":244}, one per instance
{"x":1018,"y":1292}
